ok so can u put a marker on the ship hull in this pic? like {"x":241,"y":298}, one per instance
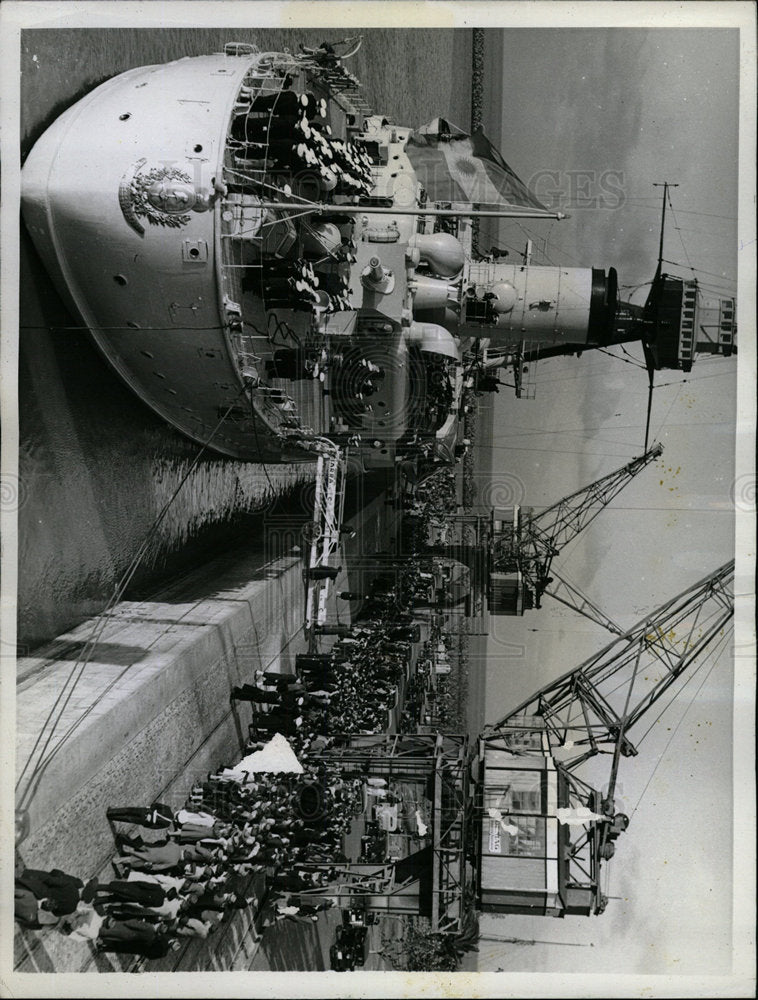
{"x":144,"y":280}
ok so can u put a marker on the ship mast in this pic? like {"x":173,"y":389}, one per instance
{"x":665,"y":185}
{"x":658,"y":271}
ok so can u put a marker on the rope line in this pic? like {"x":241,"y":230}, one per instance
{"x":100,"y":624}
{"x":679,"y":723}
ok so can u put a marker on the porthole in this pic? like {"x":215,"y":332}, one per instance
{"x":147,"y":354}
{"x":132,"y":325}
{"x":125,"y":117}
{"x":120,"y":279}
{"x":198,"y":147}
{"x":159,"y":374}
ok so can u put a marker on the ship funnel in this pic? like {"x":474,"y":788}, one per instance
{"x":547,"y":305}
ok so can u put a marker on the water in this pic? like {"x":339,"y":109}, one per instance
{"x":96,"y":465}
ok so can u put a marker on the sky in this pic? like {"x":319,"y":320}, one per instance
{"x":647,"y":106}
{"x":607,"y":114}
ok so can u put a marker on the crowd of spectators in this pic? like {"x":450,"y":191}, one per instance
{"x":178,"y":872}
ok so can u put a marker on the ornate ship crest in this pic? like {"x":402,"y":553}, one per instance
{"x":160,"y":193}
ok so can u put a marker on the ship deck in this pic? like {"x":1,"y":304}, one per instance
{"x":248,"y":237}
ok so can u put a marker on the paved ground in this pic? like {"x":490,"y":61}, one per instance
{"x":150,"y":713}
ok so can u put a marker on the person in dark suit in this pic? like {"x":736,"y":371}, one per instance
{"x":155,"y":817}
{"x":143,"y":893}
{"x":135,"y":937}
{"x":59,"y":889}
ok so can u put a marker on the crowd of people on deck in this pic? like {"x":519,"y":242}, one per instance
{"x":290,"y":133}
{"x":180,"y":871}
{"x":300,"y":285}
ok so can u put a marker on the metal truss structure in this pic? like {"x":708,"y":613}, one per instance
{"x":570,"y":595}
{"x":537,"y":538}
{"x":324,"y":529}
{"x":432,"y":881}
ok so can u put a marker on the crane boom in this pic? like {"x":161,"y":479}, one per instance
{"x":546,"y":533}
{"x":591,"y":708}
{"x":561,"y":590}
{"x":588,"y":711}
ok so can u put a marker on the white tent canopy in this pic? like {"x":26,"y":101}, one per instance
{"x":277,"y":757}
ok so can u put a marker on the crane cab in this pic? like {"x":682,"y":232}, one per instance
{"x":533,"y":857}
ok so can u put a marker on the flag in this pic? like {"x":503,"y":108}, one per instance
{"x":456,"y":167}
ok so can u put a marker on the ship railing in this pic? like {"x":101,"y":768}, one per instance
{"x":279,"y":410}
{"x":481,"y":272}
{"x":258,"y":81}
{"x":242,"y":344}
{"x":343,"y":87}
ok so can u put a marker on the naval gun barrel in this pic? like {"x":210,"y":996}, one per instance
{"x":376,"y":272}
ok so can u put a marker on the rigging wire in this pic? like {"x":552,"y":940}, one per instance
{"x":630,"y":355}
{"x":682,"y":211}
{"x":713,"y":274}
{"x":697,"y":378}
{"x":650,"y":391}
{"x":676,"y":728}
{"x":80,"y":665}
{"x":610,"y":354}
{"x":89,"y":646}
{"x":668,"y":412}
{"x":717,"y":652}
{"x":677,"y":691}
{"x":684,"y":248}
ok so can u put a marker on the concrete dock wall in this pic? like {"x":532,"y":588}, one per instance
{"x":149,"y":714}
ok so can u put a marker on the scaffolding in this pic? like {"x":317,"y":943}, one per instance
{"x":324,"y":529}
{"x":431,"y":881}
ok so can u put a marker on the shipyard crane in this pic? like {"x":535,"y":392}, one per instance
{"x":530,"y":542}
{"x":570,"y":595}
{"x":514,"y":814}
{"x":592,"y":710}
